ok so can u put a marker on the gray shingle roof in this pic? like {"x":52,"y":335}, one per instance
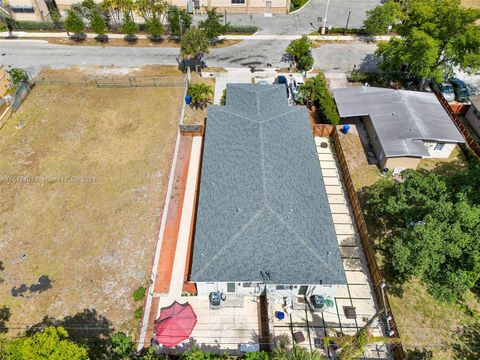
{"x":475,"y":100}
{"x":402,"y":119}
{"x":262,"y":203}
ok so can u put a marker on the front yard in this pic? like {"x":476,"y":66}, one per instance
{"x":83,"y":176}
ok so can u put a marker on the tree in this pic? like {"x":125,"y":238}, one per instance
{"x":435,"y":35}
{"x":52,"y":343}
{"x":7,"y":19}
{"x":194,"y":44}
{"x":382,"y":16}
{"x":99,"y":26}
{"x":74,"y":24}
{"x":154,"y":28}
{"x":433,"y":223}
{"x":315,"y":92}
{"x":117,"y":9}
{"x":353,"y":346}
{"x":121,"y":346}
{"x":129,"y":28}
{"x":151,"y":9}
{"x":18,"y":75}
{"x":300,"y":50}
{"x":212,"y":25}
{"x":201,"y":94}
{"x":179,"y":20}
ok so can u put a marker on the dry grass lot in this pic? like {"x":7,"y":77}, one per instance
{"x":90,"y":226}
{"x":471,"y":3}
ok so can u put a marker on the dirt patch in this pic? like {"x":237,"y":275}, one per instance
{"x":82,"y":187}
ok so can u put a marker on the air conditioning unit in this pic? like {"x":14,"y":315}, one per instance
{"x":318,"y":301}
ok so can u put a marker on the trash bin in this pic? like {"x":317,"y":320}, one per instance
{"x":188,"y":99}
{"x":280,"y":315}
{"x":345,"y":128}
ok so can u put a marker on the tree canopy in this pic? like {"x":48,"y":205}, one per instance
{"x":212,"y":25}
{"x":433,"y":222}
{"x":74,"y":23}
{"x":300,"y":50}
{"x":381,"y":17}
{"x":193,"y":44}
{"x":435,"y":35}
{"x":98,"y":23}
{"x":52,"y":343}
{"x":179,"y":20}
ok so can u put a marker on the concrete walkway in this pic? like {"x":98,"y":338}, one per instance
{"x":186,"y":222}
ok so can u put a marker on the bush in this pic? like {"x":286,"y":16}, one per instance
{"x":300,"y":50}
{"x":154,"y":29}
{"x":297,"y":4}
{"x":240,"y":29}
{"x":315,"y":91}
{"x":212,"y":25}
{"x":74,"y":23}
{"x":201,"y":94}
{"x":129,"y":28}
{"x":139,"y":294}
{"x":18,"y":75}
{"x":139,"y":313}
{"x":98,"y":25}
{"x":37,"y":25}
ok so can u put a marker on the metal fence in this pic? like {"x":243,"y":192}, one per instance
{"x":326,"y":130}
{"x":458,"y":123}
{"x":114,"y":81}
{"x":20,"y":94}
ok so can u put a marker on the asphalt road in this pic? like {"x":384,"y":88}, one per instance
{"x":35,"y":55}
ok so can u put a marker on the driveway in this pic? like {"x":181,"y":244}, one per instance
{"x":307,"y":19}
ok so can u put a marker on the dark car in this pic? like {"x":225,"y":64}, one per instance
{"x":282,"y":80}
{"x":460,"y":89}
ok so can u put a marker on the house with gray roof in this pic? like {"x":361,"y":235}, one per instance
{"x":403,"y":126}
{"x":473,"y":114}
{"x":263,"y":220}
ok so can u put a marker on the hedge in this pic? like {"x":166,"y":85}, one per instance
{"x":37,"y":25}
{"x":240,"y":29}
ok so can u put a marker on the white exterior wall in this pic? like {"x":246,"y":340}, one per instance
{"x":473,"y":118}
{"x":439,"y":154}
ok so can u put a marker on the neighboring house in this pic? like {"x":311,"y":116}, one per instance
{"x":5,"y":81}
{"x":473,"y":114}
{"x":403,"y":126}
{"x":263,"y":220}
{"x":39,"y":10}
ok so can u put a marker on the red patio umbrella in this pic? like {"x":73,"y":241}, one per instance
{"x":175,"y":324}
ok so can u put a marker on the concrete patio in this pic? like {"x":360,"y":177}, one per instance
{"x":359,"y":289}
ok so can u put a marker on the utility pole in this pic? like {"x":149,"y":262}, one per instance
{"x":325,"y":18}
{"x":346,"y":26}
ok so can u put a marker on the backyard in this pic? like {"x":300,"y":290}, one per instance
{"x":83,"y":175}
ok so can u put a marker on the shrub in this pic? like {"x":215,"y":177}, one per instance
{"x":139,"y":294}
{"x":18,"y":75}
{"x":173,"y":15}
{"x":258,"y":355}
{"x":74,"y":24}
{"x":37,"y":25}
{"x":139,"y":313}
{"x":201,"y":94}
{"x":212,"y":25}
{"x":154,"y":28}
{"x":98,"y":25}
{"x":315,"y":91}
{"x":297,"y":4}
{"x":240,"y":29}
{"x":129,"y":28}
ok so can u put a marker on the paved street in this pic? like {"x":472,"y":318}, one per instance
{"x":301,"y":22}
{"x":35,"y":55}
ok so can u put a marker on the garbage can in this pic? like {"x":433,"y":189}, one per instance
{"x":188,"y":99}
{"x":345,"y":128}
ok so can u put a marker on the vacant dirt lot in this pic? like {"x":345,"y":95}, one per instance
{"x":83,"y":174}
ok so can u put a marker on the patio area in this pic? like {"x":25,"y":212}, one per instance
{"x":236,"y":322}
{"x":314,"y":325}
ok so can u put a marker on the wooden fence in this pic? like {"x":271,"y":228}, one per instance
{"x":468,"y":138}
{"x":367,"y":246}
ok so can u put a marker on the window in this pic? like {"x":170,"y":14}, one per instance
{"x":439,"y":146}
{"x":247,"y":284}
{"x":238,"y":1}
{"x":284,"y":287}
{"x":23,"y":9}
{"x":231,"y":287}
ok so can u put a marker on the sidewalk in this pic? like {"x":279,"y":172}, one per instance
{"x":24,"y":34}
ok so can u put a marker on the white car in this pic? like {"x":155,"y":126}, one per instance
{"x":295,"y":83}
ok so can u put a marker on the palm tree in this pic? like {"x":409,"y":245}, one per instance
{"x":194,"y":44}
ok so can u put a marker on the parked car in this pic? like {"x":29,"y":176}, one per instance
{"x":282,"y":80}
{"x":447,"y":91}
{"x":460,"y":89}
{"x":295,"y":84}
